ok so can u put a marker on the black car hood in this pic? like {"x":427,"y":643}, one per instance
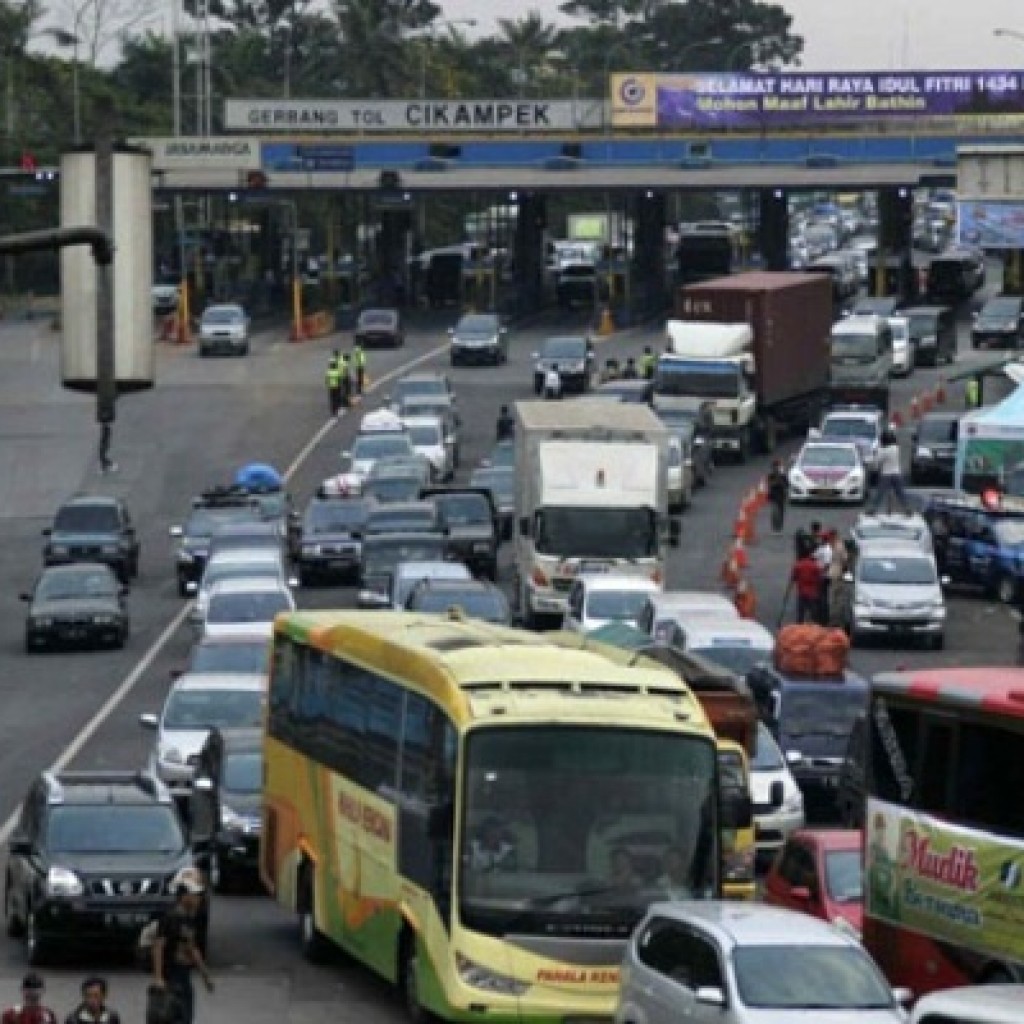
{"x":80,"y":606}
{"x":112,"y":865}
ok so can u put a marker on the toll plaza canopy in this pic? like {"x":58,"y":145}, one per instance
{"x":990,"y":451}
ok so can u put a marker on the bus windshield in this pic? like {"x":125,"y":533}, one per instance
{"x":575,"y":830}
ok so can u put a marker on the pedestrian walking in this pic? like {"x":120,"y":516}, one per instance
{"x":552,"y":382}
{"x":890,"y":476}
{"x":505,"y":429}
{"x":778,"y":494}
{"x":648,"y":362}
{"x":610,"y":371}
{"x":806,"y":579}
{"x":359,"y":363}
{"x":31,"y":1009}
{"x":176,"y":952}
{"x":332,"y":378}
{"x":345,"y":369}
{"x":93,"y":1008}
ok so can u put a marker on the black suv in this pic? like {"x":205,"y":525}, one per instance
{"x":999,"y":323}
{"x":327,"y":541}
{"x":933,"y":449}
{"x":209,"y":511}
{"x":93,"y":528}
{"x":92,"y":859}
{"x":469,"y":519}
{"x":230,"y":769}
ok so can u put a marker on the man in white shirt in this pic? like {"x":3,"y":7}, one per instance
{"x":552,"y":382}
{"x":890,"y":476}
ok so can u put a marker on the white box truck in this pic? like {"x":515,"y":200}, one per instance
{"x":591,"y":496}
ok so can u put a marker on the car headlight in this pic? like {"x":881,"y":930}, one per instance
{"x":42,"y":622}
{"x":63,"y":882}
{"x":58,"y":549}
{"x":103,"y":620}
{"x":924,"y":453}
{"x":842,"y":925}
{"x":230,"y":818}
{"x":794,"y":802}
{"x":477,"y":976}
{"x":172,"y":755}
{"x":311,"y":549}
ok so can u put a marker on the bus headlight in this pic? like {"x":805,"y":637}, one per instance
{"x":477,"y":976}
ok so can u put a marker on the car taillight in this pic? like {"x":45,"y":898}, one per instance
{"x":539,"y":577}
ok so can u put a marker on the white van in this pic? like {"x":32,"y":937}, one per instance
{"x":662,"y":612}
{"x":972,"y":1004}
{"x":734,"y":643}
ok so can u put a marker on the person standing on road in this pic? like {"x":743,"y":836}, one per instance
{"x":333,"y":380}
{"x":648,"y":361}
{"x":30,"y":1010}
{"x":359,"y":363}
{"x":176,"y":952}
{"x":890,"y":476}
{"x":972,"y":393}
{"x":506,"y":426}
{"x":840,"y":591}
{"x":806,"y":579}
{"x":552,"y":382}
{"x":823,"y":556}
{"x":345,"y":370}
{"x":629,"y":371}
{"x":93,"y":1008}
{"x":778,"y":493}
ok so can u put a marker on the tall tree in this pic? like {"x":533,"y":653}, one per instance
{"x":528,"y":41}
{"x":94,"y":28}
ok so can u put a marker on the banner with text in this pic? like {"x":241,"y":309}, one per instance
{"x":742,"y":100}
{"x":950,"y":882}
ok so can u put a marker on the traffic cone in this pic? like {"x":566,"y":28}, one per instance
{"x":607,"y":324}
{"x":739,"y":553}
{"x":940,"y":393}
{"x":745,"y":600}
{"x":730,"y":570}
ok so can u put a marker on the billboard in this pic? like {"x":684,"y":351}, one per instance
{"x":765,"y":101}
{"x":991,"y":225}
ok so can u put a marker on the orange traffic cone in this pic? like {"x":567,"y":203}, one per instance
{"x":730,"y":570}
{"x":745,"y":601}
{"x":739,"y":553}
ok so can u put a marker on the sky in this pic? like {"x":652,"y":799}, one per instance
{"x":868,"y":35}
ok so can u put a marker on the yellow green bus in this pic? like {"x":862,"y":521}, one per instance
{"x":478,"y":814}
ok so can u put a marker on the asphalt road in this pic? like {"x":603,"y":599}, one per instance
{"x":202,"y":420}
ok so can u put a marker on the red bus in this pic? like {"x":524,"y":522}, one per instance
{"x":941,"y":769}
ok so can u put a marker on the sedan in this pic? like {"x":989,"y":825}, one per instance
{"x":479,"y":338}
{"x":744,"y":963}
{"x":76,"y":605}
{"x":243,"y":607}
{"x":571,"y":356}
{"x":819,"y":872}
{"x":379,"y":327}
{"x":826,"y":471}
{"x":224,"y":329}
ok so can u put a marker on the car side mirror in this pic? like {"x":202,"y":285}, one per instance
{"x":24,"y":597}
{"x":176,"y":531}
{"x":710,"y":995}
{"x":777,"y":795}
{"x":149,"y":721}
{"x":20,"y":846}
{"x":904,"y":996}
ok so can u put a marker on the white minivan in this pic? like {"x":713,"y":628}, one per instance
{"x":734,"y":643}
{"x":972,"y":1004}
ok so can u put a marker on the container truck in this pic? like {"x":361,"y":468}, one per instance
{"x":757,"y":345}
{"x":591,"y":496}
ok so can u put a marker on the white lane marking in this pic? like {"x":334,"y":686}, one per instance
{"x":131,"y":680}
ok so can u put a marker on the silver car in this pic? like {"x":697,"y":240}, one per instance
{"x":897,"y":593}
{"x":717,"y":962}
{"x":224,"y":329}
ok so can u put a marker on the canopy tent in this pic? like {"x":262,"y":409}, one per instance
{"x":990,"y":452}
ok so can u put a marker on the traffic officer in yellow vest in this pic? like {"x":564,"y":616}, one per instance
{"x":333,"y":380}
{"x":345,"y":369}
{"x":359,"y":363}
{"x":648,"y":361}
{"x":972,"y":393}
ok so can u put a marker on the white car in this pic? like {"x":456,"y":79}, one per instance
{"x":238,"y":564}
{"x":598,"y":599}
{"x":913,"y":530}
{"x":861,"y":425}
{"x":368,"y":449}
{"x":828,"y":471}
{"x":897,"y":593}
{"x":680,"y":474}
{"x":408,"y":574}
{"x":902,"y":349}
{"x":243,"y":607}
{"x":719,"y":962}
{"x":661,"y":613}
{"x":987,"y":1003}
{"x":733,"y":643}
{"x":427,"y":435}
{"x":197,"y":703}
{"x":778,"y":801}
{"x":224,"y":329}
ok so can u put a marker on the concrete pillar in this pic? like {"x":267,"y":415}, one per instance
{"x":392,"y":246}
{"x":529,"y":254}
{"x":895,"y":244}
{"x":648,"y":264}
{"x":773,"y":228}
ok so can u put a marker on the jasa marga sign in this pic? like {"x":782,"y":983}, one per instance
{"x":722,"y":100}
